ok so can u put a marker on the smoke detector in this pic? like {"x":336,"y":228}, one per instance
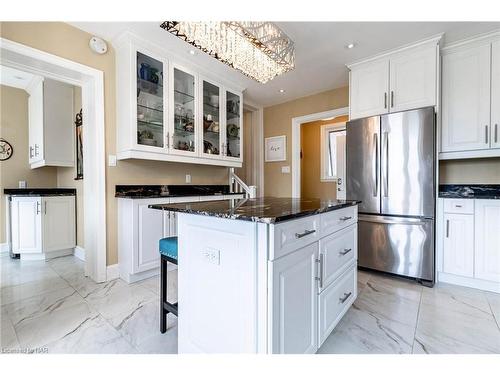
{"x":98,"y":45}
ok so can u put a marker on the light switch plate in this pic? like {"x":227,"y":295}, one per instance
{"x":188,"y":179}
{"x":22,"y":184}
{"x":112,"y":160}
{"x":285,"y":169}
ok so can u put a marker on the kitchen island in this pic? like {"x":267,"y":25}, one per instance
{"x":265,"y":275}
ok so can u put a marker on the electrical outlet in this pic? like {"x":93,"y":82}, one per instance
{"x":188,"y":179}
{"x":212,"y":256}
{"x":285,"y":169}
{"x":112,"y":160}
{"x":22,"y":184}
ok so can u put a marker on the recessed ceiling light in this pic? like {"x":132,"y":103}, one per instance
{"x":282,"y":90}
{"x":350,"y":46}
{"x":192,"y":52}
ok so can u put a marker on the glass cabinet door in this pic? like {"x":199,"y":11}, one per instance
{"x":183,"y":129}
{"x":232,"y":147}
{"x":150,"y":103}
{"x":211,"y":120}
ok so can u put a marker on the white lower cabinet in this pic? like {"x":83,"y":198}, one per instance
{"x":458,"y":244}
{"x":487,"y":239}
{"x":469,"y":242}
{"x":41,"y":225}
{"x":334,"y":302}
{"x":295,"y":302}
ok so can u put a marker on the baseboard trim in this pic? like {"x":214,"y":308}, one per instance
{"x":79,"y":252}
{"x":112,"y":272}
{"x":489,"y":286}
{"x":4,"y":247}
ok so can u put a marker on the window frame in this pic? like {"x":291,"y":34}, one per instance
{"x":324,"y":148}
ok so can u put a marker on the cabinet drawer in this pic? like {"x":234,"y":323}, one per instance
{"x":334,"y":301}
{"x":337,"y":251}
{"x":459,"y":206}
{"x":292,"y":235}
{"x":334,"y":221}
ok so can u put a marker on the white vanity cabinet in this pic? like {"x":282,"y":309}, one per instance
{"x":169,"y":110}
{"x":470,"y":113}
{"x":468,"y":242}
{"x":396,"y":81}
{"x":42,"y":227}
{"x":51,"y":124}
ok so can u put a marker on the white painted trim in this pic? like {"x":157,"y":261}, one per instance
{"x":469,"y":282}
{"x":79,"y":252}
{"x":487,"y":37}
{"x":487,"y":153}
{"x":324,"y":130}
{"x":112,"y":272}
{"x":4,"y":247}
{"x":296,"y":122}
{"x":92,"y":83}
{"x":258,"y":145}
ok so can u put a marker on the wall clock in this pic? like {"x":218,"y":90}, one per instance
{"x":6,"y":150}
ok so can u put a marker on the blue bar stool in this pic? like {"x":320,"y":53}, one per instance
{"x":168,"y":251}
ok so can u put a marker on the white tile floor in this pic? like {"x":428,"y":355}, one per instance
{"x":51,"y":305}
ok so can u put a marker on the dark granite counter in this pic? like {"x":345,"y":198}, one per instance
{"x":470,"y":191}
{"x":164,"y":191}
{"x":266,"y":210}
{"x":40,"y":192}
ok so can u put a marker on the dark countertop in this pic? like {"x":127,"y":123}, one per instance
{"x":40,"y":192}
{"x":470,"y":191}
{"x":265,"y":210}
{"x":165,"y":191}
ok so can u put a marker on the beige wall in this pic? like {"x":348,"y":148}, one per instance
{"x":471,"y":171}
{"x":311,"y":185}
{"x":14,"y":128}
{"x":71,"y":43}
{"x":245,"y":171}
{"x":278,"y":121}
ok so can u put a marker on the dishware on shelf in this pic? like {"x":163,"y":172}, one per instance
{"x":232,"y":130}
{"x":144,"y":71}
{"x":214,"y":100}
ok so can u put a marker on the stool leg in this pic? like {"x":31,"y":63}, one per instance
{"x":163,"y":296}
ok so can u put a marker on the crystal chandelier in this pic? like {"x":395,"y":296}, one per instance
{"x":260,"y":50}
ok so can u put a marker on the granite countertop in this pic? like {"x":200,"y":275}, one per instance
{"x":265,"y":210}
{"x":40,"y":192}
{"x":470,"y":191}
{"x":165,"y":191}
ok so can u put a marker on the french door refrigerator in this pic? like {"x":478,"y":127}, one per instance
{"x":391,"y":170}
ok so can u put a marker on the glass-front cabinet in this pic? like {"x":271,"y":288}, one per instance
{"x":212,"y":114}
{"x":150,"y":102}
{"x":234,"y":125}
{"x":183,"y":129}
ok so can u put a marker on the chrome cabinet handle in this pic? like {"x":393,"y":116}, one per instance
{"x":386,"y":169}
{"x":168,"y":140}
{"x":375,"y":169}
{"x":486,"y":134}
{"x":36,"y":150}
{"x":447,"y":228}
{"x":392,"y":99}
{"x":321,"y":270}
{"x":345,"y":252}
{"x":458,"y":206}
{"x":305,"y":233}
{"x":345,"y":218}
{"x":31,"y":152}
{"x":37,"y":208}
{"x":385,"y":100}
{"x":45,"y":208}
{"x":346,"y":296}
{"x":496,"y":133}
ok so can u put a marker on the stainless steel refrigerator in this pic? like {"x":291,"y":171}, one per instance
{"x":391,"y":170}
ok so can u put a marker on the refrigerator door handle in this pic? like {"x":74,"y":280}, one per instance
{"x":386,"y":164}
{"x":375,"y":166}
{"x":392,"y":220}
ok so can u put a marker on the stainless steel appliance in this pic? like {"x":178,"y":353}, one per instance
{"x":391,"y":169}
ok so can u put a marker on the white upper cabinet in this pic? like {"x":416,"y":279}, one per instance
{"x":495,"y":94}
{"x":396,"y":81}
{"x":413,"y":79}
{"x":369,"y":88}
{"x":171,"y":112}
{"x":487,"y":239}
{"x":466,"y":99}
{"x":51,"y":124}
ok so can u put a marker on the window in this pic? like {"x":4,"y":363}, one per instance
{"x":332,"y":151}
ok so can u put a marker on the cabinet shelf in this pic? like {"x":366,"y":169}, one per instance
{"x":182,"y":97}
{"x":150,"y":123}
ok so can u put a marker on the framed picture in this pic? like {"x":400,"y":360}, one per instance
{"x":275,"y":148}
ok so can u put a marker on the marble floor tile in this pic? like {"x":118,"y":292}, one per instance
{"x":153,"y":284}
{"x":67,"y":265}
{"x":8,"y":337}
{"x":93,"y":336}
{"x":363,"y":278}
{"x":52,"y":326}
{"x":401,"y":287}
{"x":120,"y":305}
{"x":89,"y":289}
{"x":494,"y":302}
{"x":441,"y":330}
{"x":17,"y":276}
{"x":15,"y":293}
{"x":40,"y":304}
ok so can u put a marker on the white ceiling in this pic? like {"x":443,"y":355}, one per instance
{"x":320,"y":50}
{"x":15,"y":78}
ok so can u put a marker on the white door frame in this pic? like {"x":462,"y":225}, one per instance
{"x":296,"y":123}
{"x":257,"y":133}
{"x":91,"y":81}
